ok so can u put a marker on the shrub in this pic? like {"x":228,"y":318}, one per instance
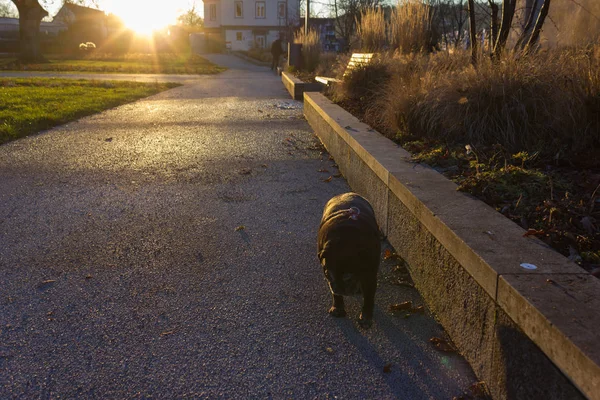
{"x":548,"y":103}
{"x":371,"y":30}
{"x":311,"y":48}
{"x":363,"y":84}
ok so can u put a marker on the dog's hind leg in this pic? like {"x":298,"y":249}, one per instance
{"x":369,"y":287}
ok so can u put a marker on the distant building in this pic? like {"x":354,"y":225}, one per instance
{"x":241,"y":25}
{"x":89,"y":24}
{"x":9,"y":33}
{"x":327,"y":36}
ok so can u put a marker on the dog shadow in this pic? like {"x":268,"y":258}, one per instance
{"x":421,"y":374}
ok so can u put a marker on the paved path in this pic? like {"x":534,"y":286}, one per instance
{"x":124,"y":272}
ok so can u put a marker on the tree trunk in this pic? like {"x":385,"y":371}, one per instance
{"x":494,"y":23}
{"x":473,"y":32}
{"x":30,"y":16}
{"x":538,"y":26}
{"x":532,"y":13}
{"x":508,"y":12}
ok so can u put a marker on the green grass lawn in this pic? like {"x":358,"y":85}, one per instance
{"x":128,"y":63}
{"x":30,"y":105}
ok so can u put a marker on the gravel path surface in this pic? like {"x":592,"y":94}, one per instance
{"x":167,"y":249}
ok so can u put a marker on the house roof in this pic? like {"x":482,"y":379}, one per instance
{"x":9,"y":21}
{"x":81,"y":11}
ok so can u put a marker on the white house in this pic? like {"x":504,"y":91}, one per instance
{"x":242,"y":24}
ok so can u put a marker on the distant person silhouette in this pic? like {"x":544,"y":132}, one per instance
{"x":276,"y":52}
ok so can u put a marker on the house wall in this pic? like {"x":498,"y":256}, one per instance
{"x":248,"y":24}
{"x":239,"y":45}
{"x":208,"y":23}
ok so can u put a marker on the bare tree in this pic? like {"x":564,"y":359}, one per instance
{"x":30,"y":17}
{"x":347,"y":13}
{"x":508,"y":13}
{"x":535,"y":34}
{"x":451,"y":17}
{"x":191,"y":19}
{"x":473,"y":32}
{"x":7,"y":10}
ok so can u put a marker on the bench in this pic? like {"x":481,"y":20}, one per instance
{"x":357,"y":60}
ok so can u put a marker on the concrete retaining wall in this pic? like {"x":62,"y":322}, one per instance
{"x":529,"y":334}
{"x":296,"y":87}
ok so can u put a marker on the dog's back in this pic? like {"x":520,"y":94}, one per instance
{"x":348,"y":229}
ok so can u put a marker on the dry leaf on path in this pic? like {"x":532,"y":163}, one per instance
{"x":442,"y":345}
{"x":534,"y":232}
{"x":407,"y":305}
{"x":327,"y":179}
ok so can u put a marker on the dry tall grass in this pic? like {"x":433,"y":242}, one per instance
{"x":410,"y":26}
{"x":311,"y":48}
{"x":548,"y":103}
{"x":371,"y":30}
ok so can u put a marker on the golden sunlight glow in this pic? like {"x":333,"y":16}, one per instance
{"x":142,"y":16}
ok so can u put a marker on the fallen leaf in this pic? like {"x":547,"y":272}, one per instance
{"x":478,"y":389}
{"x":245,"y":171}
{"x":388,"y":254}
{"x":329,"y":350}
{"x":419,"y":309}
{"x":407,"y":305}
{"x":108,"y":139}
{"x":534,"y":232}
{"x":442,"y":345}
{"x":88,"y":277}
{"x":403,"y":283}
{"x":387,"y":368}
{"x":168,"y":332}
{"x":323,"y":170}
{"x":260,"y":111}
{"x":239,"y":228}
{"x":264,"y":166}
{"x":463,"y":100}
{"x":327,"y":179}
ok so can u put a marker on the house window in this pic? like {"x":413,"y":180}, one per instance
{"x":260,"y":42}
{"x":239,"y":9}
{"x":260,"y":9}
{"x":238,"y":36}
{"x":281,"y":9}
{"x":212,"y":12}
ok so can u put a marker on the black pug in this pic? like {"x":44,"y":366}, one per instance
{"x":349,"y":250}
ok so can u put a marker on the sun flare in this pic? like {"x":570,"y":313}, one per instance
{"x":142,"y":17}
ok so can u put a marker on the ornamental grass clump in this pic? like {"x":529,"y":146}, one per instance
{"x":371,"y":30}
{"x":548,"y":103}
{"x":311,"y":48}
{"x":410,"y":28}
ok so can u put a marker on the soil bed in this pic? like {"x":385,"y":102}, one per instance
{"x":559,"y":204}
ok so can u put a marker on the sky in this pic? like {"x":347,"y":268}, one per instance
{"x":139,"y":14}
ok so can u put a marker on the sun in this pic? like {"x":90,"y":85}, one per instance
{"x":142,"y":16}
